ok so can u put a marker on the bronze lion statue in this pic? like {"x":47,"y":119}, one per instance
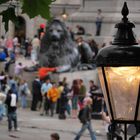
{"x":57,"y":47}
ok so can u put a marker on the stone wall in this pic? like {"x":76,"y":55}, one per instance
{"x":84,"y":75}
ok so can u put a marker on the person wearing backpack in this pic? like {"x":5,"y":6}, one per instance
{"x":11,"y":102}
{"x":85,"y":118}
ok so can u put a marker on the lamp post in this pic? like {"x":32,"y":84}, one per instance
{"x":119,"y":73}
{"x":64,"y":14}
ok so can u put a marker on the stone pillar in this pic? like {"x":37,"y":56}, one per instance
{"x":11,"y":29}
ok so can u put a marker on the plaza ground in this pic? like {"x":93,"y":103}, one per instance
{"x":36,"y":127}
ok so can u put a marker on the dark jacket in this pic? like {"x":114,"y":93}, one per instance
{"x":64,"y":98}
{"x":85,"y":114}
{"x":8,"y":102}
{"x":36,"y":90}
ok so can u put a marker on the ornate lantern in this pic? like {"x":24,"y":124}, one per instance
{"x":119,"y":73}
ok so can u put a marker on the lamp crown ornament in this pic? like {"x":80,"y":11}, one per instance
{"x":125,"y":35}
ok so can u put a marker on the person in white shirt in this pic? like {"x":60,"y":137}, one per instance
{"x":99,"y":20}
{"x":2,"y":42}
{"x":35,"y":49}
{"x":44,"y":89}
{"x":19,"y":70}
{"x":15,"y":41}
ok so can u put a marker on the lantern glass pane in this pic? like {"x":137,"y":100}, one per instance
{"x":123,"y":84}
{"x":101,"y":78}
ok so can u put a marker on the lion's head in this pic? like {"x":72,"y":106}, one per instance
{"x":57,"y":31}
{"x":57,"y":47}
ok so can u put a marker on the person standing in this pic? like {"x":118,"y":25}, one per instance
{"x":9,"y":44}
{"x":64,"y":106}
{"x":85,"y":118}
{"x":53,"y":94}
{"x":11,"y":102}
{"x":3,"y":44}
{"x":26,"y":44}
{"x":96,"y":99}
{"x":19,"y":70}
{"x":15,"y":43}
{"x":60,"y":89}
{"x":23,"y":88}
{"x":44,"y":91}
{"x":36,"y":93}
{"x":99,"y":20}
{"x":75,"y":92}
{"x":82,"y":93}
{"x":10,"y":61}
{"x":35,"y":49}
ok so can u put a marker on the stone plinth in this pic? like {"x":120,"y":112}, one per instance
{"x":55,"y":77}
{"x":84,"y":75}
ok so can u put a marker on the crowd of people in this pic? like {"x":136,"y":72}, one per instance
{"x":60,"y":97}
{"x":11,"y":48}
{"x":48,"y":97}
{"x":12,"y":89}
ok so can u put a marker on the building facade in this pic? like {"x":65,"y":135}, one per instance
{"x":82,"y":12}
{"x":29,"y":27}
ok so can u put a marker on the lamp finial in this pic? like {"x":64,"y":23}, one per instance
{"x":125,"y":35}
{"x":125,"y":11}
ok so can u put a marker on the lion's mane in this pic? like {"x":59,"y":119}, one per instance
{"x":60,"y":53}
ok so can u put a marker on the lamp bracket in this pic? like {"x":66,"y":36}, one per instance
{"x":114,"y":131}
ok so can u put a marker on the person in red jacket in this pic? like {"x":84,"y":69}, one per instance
{"x":43,"y":71}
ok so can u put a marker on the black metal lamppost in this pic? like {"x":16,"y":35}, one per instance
{"x":119,"y":73}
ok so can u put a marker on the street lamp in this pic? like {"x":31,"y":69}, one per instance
{"x":64,"y":14}
{"x":119,"y":73}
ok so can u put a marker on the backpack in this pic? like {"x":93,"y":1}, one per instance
{"x":81,"y":116}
